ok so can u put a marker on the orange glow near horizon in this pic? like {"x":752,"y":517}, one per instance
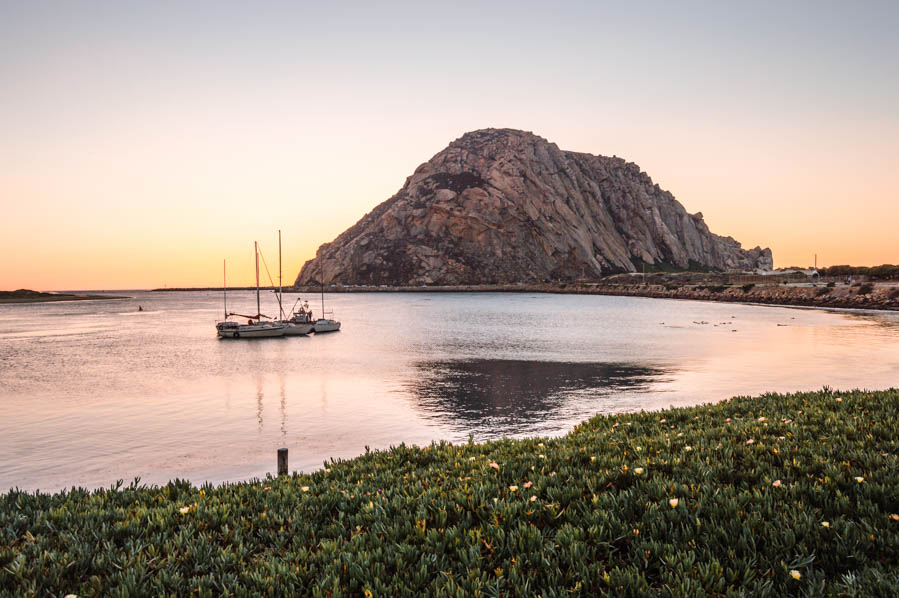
{"x":141,"y":146}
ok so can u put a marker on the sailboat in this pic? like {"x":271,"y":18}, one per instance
{"x":255,"y":326}
{"x":300,"y":322}
{"x":324,"y":324}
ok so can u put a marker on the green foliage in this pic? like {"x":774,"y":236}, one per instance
{"x":712,"y":288}
{"x":882,"y":272}
{"x":806,"y":482}
{"x":865,"y":289}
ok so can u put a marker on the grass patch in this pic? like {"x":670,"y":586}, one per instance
{"x":778,"y":495}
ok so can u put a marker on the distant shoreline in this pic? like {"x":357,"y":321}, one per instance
{"x":880,"y":296}
{"x":27,"y":296}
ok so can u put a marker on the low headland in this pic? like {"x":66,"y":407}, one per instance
{"x":776,"y":495}
{"x":29,"y":296}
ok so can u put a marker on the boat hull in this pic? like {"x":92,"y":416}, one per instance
{"x":297,"y":329}
{"x":252,"y":331}
{"x":327,"y":326}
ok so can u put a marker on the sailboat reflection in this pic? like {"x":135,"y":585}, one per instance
{"x":497,"y":396}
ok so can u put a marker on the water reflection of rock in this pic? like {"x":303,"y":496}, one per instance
{"x":498,"y":396}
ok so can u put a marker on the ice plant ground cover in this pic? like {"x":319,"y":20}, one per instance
{"x":618,"y":507}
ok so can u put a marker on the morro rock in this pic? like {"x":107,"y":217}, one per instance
{"x":506,"y":206}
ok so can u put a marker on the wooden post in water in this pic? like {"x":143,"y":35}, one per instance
{"x":282,"y":461}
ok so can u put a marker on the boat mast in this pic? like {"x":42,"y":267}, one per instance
{"x":321,"y":276}
{"x":225,"y":285}
{"x":258,"y":308}
{"x":280,"y":307}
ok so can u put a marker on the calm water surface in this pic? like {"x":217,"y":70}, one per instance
{"x":92,"y":392}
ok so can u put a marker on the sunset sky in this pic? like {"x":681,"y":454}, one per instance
{"x":142,"y":143}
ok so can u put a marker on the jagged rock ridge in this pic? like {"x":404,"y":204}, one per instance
{"x":505,"y":206}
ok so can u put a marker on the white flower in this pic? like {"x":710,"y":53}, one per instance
{"x":859,"y":479}
{"x":673,"y":502}
{"x":184,"y":510}
{"x":795,"y":574}
{"x":776,"y":483}
{"x":825,"y":524}
{"x":305,"y":488}
{"x":638,"y":470}
{"x":513,"y":488}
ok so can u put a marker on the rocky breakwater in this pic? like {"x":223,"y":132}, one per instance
{"x":859,"y":296}
{"x":504,"y":206}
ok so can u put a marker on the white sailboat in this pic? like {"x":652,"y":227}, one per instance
{"x":299,"y":323}
{"x":325,"y":324}
{"x":255,"y":327}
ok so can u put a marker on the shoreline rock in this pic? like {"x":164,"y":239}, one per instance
{"x":883,"y":296}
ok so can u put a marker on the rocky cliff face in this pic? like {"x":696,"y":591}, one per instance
{"x":501,"y":206}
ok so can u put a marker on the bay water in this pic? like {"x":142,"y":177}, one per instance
{"x":96,"y":391}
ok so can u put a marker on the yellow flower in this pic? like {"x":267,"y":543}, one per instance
{"x":513,"y":488}
{"x":673,"y":502}
{"x":795,"y":574}
{"x":305,"y":488}
{"x":540,"y":444}
{"x":638,"y":470}
{"x":825,"y":524}
{"x":368,"y":593}
{"x":688,"y":448}
{"x":184,"y":510}
{"x":859,"y":480}
{"x":592,"y":459}
{"x":494,"y":465}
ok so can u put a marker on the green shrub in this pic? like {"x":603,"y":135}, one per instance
{"x":865,"y":289}
{"x":723,"y":500}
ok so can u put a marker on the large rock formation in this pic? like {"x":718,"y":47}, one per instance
{"x":501,"y":206}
